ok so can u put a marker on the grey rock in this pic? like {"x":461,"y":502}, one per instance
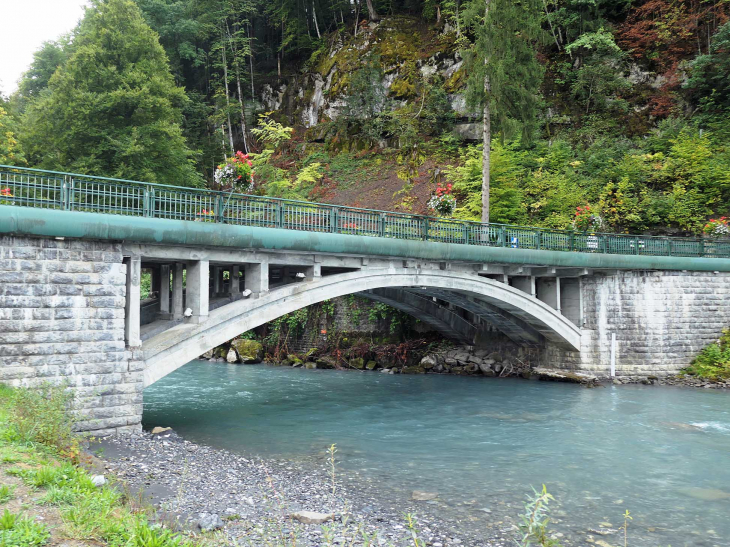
{"x":208,"y":522}
{"x":98,"y":480}
{"x":310,"y":517}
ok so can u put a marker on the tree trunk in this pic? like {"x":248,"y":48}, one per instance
{"x":486,"y":135}
{"x":237,"y":66}
{"x":250,"y":60}
{"x":357,"y":16}
{"x":316,"y":24}
{"x":372,"y":14}
{"x":487,"y":143}
{"x":228,"y":100}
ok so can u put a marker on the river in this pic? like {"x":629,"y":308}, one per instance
{"x":663,"y":453}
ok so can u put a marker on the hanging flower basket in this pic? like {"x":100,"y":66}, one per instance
{"x":442,"y":202}
{"x":586,"y":221}
{"x":717,"y":227}
{"x":236,"y":172}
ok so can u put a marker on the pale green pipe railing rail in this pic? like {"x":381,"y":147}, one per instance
{"x":72,"y":192}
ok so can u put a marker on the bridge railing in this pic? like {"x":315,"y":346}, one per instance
{"x":71,"y":192}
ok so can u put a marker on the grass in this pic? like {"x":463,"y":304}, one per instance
{"x":38,"y":448}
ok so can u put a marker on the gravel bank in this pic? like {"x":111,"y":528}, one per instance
{"x":252,"y":499}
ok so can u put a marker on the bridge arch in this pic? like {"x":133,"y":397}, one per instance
{"x":176,"y":346}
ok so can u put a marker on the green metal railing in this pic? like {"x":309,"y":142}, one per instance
{"x":71,"y":192}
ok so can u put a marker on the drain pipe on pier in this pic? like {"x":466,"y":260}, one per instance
{"x":613,"y":355}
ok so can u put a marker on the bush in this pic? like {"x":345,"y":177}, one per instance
{"x":713,"y":362}
{"x":43,"y":415}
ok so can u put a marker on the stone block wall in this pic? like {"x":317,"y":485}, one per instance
{"x":661,"y":320}
{"x":62,"y":320}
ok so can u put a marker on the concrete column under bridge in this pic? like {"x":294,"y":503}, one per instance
{"x":71,"y":310}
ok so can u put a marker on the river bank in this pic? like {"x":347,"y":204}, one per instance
{"x":421,"y":357}
{"x":255,"y":501}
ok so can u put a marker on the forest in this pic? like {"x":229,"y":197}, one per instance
{"x":621,"y":106}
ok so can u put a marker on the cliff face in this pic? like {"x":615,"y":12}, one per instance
{"x":403,"y":58}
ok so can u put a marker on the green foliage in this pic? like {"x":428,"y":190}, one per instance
{"x":112,"y":107}
{"x":43,"y":415}
{"x":397,"y":321}
{"x":713,"y":362}
{"x":271,"y":132}
{"x":599,"y":79}
{"x":309,"y":175}
{"x":503,"y":71}
{"x":19,"y":531}
{"x":506,"y":196}
{"x":10,"y":152}
{"x":366,"y":96}
{"x":535,"y":520}
{"x":709,"y":83}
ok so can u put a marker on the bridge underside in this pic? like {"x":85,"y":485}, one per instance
{"x":201,"y":299}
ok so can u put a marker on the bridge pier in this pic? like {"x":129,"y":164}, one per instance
{"x":165,"y":291}
{"x":234,"y":281}
{"x":177,"y":291}
{"x":256,"y":278}
{"x":132,"y":303}
{"x":197,"y":283}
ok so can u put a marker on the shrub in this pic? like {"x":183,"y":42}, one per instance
{"x":43,"y":415}
{"x":713,"y":362}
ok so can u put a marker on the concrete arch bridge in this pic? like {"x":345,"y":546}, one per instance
{"x":73,"y":248}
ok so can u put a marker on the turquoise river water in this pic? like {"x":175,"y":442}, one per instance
{"x":481,"y":443}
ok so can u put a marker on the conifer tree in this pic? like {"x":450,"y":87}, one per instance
{"x":503,"y":72}
{"x":112,"y":108}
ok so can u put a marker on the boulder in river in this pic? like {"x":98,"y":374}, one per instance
{"x":310,"y":517}
{"x":249,"y":351}
{"x":429,"y":361}
{"x":232,"y":357}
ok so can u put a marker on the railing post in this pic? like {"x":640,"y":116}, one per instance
{"x":64,"y":194}
{"x":334,"y":220}
{"x":604,"y":243}
{"x":152,"y":203}
{"x":465,"y":228}
{"x":636,"y":245}
{"x":702,"y":247}
{"x":381,"y":227}
{"x":219,"y":208}
{"x":669,"y":247}
{"x":539,"y":240}
{"x":279,"y":215}
{"x":572,"y":240}
{"x":146,"y":202}
{"x":502,"y":236}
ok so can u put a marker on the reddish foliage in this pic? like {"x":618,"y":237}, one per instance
{"x":667,"y":32}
